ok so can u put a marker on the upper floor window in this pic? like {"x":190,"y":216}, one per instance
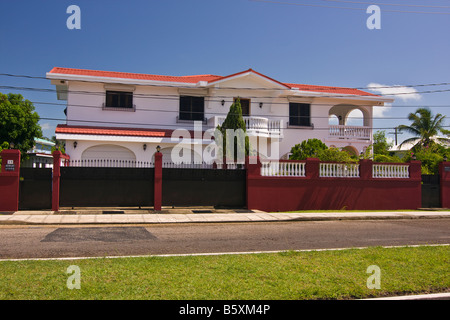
{"x":299,"y":114}
{"x":192,"y":108}
{"x":245,"y":106}
{"x":119,"y":99}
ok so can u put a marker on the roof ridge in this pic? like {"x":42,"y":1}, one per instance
{"x":137,"y":73}
{"x":210,"y":78}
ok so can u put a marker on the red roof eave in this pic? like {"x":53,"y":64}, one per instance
{"x":332,"y":90}
{"x":111,"y":131}
{"x":116,"y":131}
{"x":209,"y":78}
{"x":133,"y":76}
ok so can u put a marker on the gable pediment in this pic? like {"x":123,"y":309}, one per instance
{"x":247,"y":79}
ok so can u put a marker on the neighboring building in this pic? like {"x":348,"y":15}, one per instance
{"x":117,"y":115}
{"x":41,"y":154}
{"x":401,"y":150}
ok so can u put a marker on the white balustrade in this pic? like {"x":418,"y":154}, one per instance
{"x":283,"y":169}
{"x":257,"y":125}
{"x":109,"y":163}
{"x":349,"y":132}
{"x":339,"y":170}
{"x":383,"y":170}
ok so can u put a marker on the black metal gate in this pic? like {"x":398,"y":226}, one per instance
{"x":35,"y":188}
{"x":204,"y":187}
{"x":431,"y":197}
{"x":98,"y":187}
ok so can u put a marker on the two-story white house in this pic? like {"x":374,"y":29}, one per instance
{"x":125,"y":116}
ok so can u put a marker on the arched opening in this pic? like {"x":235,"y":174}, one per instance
{"x":354,"y":122}
{"x":108,"y":152}
{"x":351,"y":150}
{"x":333,"y":120}
{"x":177,"y":155}
{"x":355,"y":118}
{"x":349,"y":115}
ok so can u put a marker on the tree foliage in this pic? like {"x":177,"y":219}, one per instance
{"x":234,"y":124}
{"x":315,"y":148}
{"x":307,"y":149}
{"x":424,"y":127}
{"x":381,"y":148}
{"x":336,"y":155}
{"x":18,"y":122}
{"x":59,"y":145}
{"x":430,"y":156}
{"x":380,"y":144}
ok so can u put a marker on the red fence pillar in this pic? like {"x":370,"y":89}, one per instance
{"x":312,"y":168}
{"x":365,"y":169}
{"x":157,"y":196}
{"x":9,"y":180}
{"x":253,"y":166}
{"x":444,"y":175}
{"x":56,"y":179}
{"x":415,"y":170}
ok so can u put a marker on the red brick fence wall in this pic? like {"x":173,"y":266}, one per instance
{"x":9,"y":180}
{"x":283,"y":185}
{"x":322,"y":186}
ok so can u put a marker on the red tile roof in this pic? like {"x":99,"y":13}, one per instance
{"x":334,"y":90}
{"x":116,"y":131}
{"x":136,"y":76}
{"x":203,"y":77}
{"x":111,"y":131}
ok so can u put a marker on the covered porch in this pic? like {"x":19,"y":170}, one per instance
{"x":350,"y":122}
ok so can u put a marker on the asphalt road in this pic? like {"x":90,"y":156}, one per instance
{"x":111,"y":240}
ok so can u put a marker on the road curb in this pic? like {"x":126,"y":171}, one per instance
{"x":431,"y":296}
{"x":51,"y":218}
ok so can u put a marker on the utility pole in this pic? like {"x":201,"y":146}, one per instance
{"x":395,"y":133}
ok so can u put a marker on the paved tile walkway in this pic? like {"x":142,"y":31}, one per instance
{"x":145,"y":217}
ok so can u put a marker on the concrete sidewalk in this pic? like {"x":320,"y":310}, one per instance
{"x":200,"y":215}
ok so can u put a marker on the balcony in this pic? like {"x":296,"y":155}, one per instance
{"x":349,"y":132}
{"x":256,"y":126}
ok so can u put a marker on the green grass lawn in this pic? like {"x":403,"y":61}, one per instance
{"x":287,"y":275}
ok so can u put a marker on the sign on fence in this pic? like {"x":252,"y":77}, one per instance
{"x":10,"y":166}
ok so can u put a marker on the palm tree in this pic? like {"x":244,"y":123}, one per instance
{"x":424,"y":127}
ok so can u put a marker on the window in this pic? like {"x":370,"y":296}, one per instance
{"x":192,"y":108}
{"x":119,"y":99}
{"x":300,"y":114}
{"x":245,"y":106}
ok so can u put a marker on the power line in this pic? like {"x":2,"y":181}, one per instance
{"x":223,"y":113}
{"x":345,"y":8}
{"x":390,"y":4}
{"x":258,"y":97}
{"x":319,"y":88}
{"x":149,"y":125}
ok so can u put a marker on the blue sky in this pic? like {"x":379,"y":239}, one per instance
{"x":291,"y":43}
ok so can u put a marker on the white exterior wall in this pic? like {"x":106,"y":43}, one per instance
{"x":158,"y":108}
{"x":85,"y":107}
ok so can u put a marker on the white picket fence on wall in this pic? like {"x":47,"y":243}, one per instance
{"x":283,"y":169}
{"x":332,"y":170}
{"x":110,"y":163}
{"x":339,"y":170}
{"x":174,"y":165}
{"x":383,"y":170}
